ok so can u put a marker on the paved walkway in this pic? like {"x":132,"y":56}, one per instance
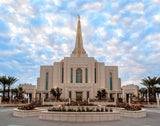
{"x":7,"y":119}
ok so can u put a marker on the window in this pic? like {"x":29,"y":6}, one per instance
{"x":86,"y":75}
{"x":62,"y":75}
{"x":71,"y":75}
{"x":70,"y":94}
{"x":94,"y":75}
{"x":110,"y":81}
{"x":47,"y":81}
{"x":78,"y":75}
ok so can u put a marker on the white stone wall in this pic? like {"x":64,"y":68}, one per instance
{"x":131,"y":89}
{"x":102,"y":77}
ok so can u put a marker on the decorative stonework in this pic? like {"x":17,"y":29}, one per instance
{"x":79,"y":87}
{"x":133,"y":114}
{"x":79,"y":65}
{"x":80,"y":116}
{"x":26,"y":113}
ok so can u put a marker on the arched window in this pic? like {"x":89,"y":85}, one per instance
{"x":78,"y":75}
{"x":110,"y":81}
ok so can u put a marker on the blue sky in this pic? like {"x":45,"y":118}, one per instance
{"x":118,"y":32}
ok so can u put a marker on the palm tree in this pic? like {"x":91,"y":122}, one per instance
{"x":3,"y":82}
{"x":150,"y":83}
{"x":53,"y":92}
{"x":99,"y":94}
{"x":143,"y":92}
{"x":59,"y":92}
{"x":10,"y":81}
{"x":104,"y":93}
{"x":157,"y":90}
{"x":56,"y":92}
{"x":20,"y":93}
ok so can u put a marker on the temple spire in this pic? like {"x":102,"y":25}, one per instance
{"x":79,"y":50}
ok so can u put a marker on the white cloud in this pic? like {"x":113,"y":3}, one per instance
{"x":135,"y":8}
{"x":51,"y":17}
{"x":9,"y":52}
{"x":66,"y":31}
{"x":115,"y":20}
{"x":157,"y":18}
{"x":119,"y":32}
{"x":6,"y":1}
{"x":101,"y":31}
{"x":156,"y":1}
{"x":93,"y":7}
{"x":152,"y":37}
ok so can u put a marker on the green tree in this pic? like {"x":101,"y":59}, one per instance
{"x":10,"y":81}
{"x":157,"y":90}
{"x":143,"y":92}
{"x":150,"y":83}
{"x":56,"y":92}
{"x":3,"y":82}
{"x":104,"y":93}
{"x":59,"y":92}
{"x":101,"y":94}
{"x":20,"y":93}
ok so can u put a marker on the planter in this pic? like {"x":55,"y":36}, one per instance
{"x":26,"y":113}
{"x":79,"y":116}
{"x":133,"y":114}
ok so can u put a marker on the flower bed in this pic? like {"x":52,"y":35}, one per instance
{"x":28,"y":110}
{"x":80,"y":109}
{"x":27,"y":107}
{"x":132,"y":107}
{"x":79,"y":104}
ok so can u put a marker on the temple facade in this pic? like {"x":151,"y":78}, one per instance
{"x":79,"y":76}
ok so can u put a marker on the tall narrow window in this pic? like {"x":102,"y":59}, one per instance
{"x":62,"y":75}
{"x":86,"y":75}
{"x":47,"y":81}
{"x":94,"y":75}
{"x":71,"y":75}
{"x":110,"y":81}
{"x":79,"y":75}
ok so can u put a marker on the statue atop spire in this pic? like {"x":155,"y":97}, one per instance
{"x":78,"y":49}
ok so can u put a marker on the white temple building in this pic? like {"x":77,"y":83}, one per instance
{"x":79,"y":76}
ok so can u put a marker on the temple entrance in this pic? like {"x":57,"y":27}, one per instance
{"x":78,"y":96}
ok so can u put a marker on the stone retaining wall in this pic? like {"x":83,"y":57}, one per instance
{"x":79,"y":116}
{"x":25,"y":113}
{"x":133,"y":114}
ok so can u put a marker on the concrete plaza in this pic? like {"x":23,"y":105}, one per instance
{"x":7,"y":119}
